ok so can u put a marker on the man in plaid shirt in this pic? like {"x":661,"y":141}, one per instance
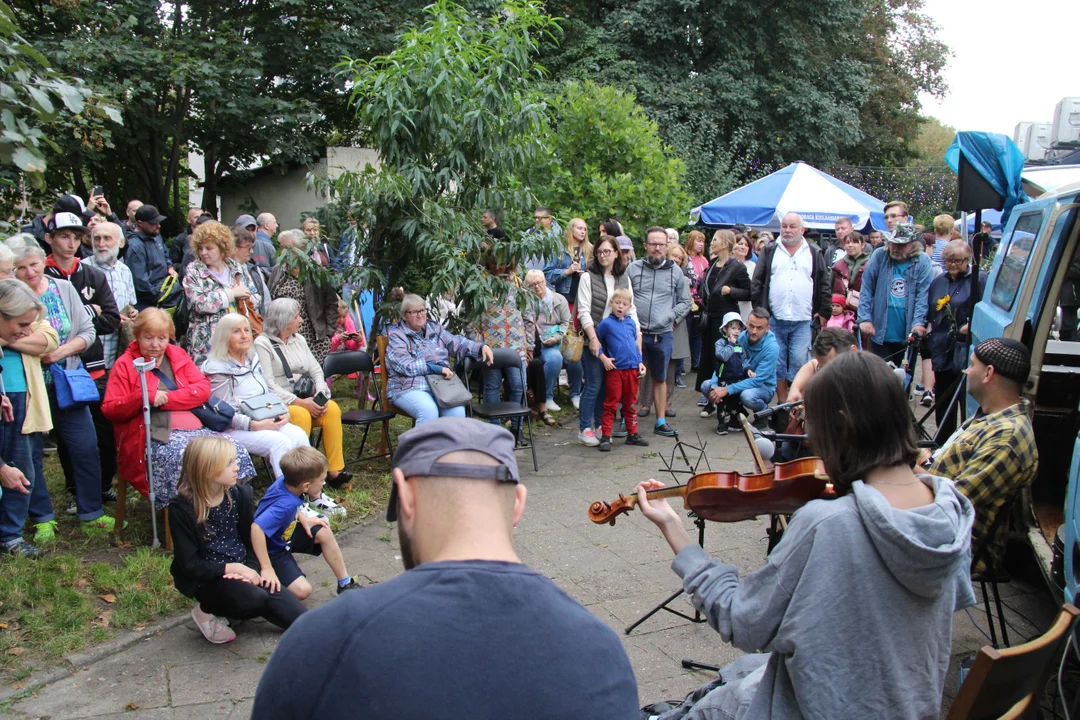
{"x":993,"y":456}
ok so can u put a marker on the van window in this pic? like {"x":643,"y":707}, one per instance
{"x":1017,"y":251}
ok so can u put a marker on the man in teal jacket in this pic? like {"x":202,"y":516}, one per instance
{"x":761,"y":353}
{"x":894,"y":296}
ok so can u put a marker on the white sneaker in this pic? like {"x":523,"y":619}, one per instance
{"x":588,"y":437}
{"x":327,"y":506}
{"x":564,"y":380}
{"x":552,"y":406}
{"x":576,"y":402}
{"x":213,"y":628}
{"x":311,"y":512}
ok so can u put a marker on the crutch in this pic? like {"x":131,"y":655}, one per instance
{"x":143,"y":366}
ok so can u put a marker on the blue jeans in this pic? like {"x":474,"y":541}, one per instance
{"x":420,"y":404}
{"x":591,"y":405}
{"x":793,"y":337}
{"x":553,"y":362}
{"x":757,"y":399}
{"x":493,"y":381}
{"x":74,"y":428}
{"x":656,"y":351}
{"x":41,"y":509}
{"x":15,"y":449}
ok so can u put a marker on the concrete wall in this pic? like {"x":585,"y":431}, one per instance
{"x":287,"y":195}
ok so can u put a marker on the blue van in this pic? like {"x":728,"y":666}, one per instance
{"x":1039,"y":243}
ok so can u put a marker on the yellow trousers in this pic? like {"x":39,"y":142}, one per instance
{"x":330,"y":422}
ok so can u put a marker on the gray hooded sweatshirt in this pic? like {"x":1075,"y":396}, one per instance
{"x":661,"y":295}
{"x":854,"y":607}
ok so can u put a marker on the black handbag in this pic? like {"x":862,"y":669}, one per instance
{"x":215,"y":414}
{"x":303,"y":387}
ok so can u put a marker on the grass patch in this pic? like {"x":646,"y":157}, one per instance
{"x":88,"y":588}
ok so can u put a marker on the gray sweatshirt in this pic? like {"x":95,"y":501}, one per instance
{"x":661,"y":294}
{"x":854,"y":606}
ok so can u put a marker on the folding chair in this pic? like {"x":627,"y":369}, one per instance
{"x":358,"y":361}
{"x":993,"y":573}
{"x":1008,"y":683}
{"x":506,"y":358}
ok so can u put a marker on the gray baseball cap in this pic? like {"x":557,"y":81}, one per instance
{"x":419,"y":450}
{"x":245,"y":220}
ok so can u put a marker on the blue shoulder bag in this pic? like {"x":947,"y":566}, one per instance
{"x":74,"y":388}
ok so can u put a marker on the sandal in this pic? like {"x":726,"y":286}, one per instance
{"x":548,"y":419}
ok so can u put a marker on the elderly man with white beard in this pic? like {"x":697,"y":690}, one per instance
{"x":105,"y":241}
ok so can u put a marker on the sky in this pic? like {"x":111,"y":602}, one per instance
{"x":1012,"y":61}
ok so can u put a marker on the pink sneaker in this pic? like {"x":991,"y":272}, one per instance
{"x":213,"y":628}
{"x":588,"y":437}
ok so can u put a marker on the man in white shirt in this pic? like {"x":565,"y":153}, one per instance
{"x":792,"y":282}
{"x":105,"y":241}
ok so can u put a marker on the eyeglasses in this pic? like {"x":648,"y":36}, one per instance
{"x":416,"y":312}
{"x":540,"y":217}
{"x":656,"y":244}
{"x":602,"y":253}
{"x":958,"y":261}
{"x":536,"y":284}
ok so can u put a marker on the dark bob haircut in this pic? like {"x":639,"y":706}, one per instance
{"x":858,"y":419}
{"x":594,"y":265}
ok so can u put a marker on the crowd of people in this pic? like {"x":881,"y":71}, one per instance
{"x":87,"y":297}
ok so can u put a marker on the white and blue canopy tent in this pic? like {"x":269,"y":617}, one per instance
{"x":819,"y":198}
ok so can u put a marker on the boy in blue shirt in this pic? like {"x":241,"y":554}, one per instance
{"x":274,"y":536}
{"x":622,"y":360}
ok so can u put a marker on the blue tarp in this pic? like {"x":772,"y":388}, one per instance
{"x":997,"y":159}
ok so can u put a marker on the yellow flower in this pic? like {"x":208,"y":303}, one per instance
{"x":943,"y":302}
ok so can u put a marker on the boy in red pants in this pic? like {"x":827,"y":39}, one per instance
{"x":622,"y":359}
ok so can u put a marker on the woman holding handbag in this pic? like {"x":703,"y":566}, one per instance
{"x":176,"y":389}
{"x":261,"y":421}
{"x":548,"y":315}
{"x":74,"y":426}
{"x":725,"y":284}
{"x":215,"y":284}
{"x":295,"y":376}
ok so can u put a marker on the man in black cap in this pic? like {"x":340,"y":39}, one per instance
{"x":468,"y":631}
{"x":149,"y":262}
{"x":993,"y":455}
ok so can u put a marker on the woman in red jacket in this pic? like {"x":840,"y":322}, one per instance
{"x":172,"y":424}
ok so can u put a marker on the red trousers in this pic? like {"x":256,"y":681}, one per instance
{"x":622,"y":385}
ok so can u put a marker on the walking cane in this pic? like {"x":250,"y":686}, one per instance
{"x":143,"y":366}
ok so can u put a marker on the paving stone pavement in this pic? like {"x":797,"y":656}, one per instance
{"x":618,"y":573}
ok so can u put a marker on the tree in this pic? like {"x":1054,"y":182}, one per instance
{"x":245,"y":82}
{"x":454,"y":116}
{"x":34,"y":97}
{"x":740,"y":85}
{"x":933,"y":140}
{"x":611,"y":163}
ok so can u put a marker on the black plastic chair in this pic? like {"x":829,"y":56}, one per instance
{"x":506,"y":358}
{"x":992,"y":573}
{"x":358,"y":361}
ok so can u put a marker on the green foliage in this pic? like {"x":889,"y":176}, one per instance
{"x":740,"y":86}
{"x":933,"y":140}
{"x":33,"y":97}
{"x":453,"y":115}
{"x":610,"y":162}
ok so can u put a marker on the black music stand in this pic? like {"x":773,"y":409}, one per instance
{"x":691,"y":470}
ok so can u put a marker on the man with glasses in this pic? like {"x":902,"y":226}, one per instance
{"x":662,"y":299}
{"x":896,"y":213}
{"x":543,"y":224}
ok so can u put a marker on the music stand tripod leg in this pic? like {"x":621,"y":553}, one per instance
{"x":697,"y":617}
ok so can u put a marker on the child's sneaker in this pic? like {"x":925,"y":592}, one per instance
{"x":605,"y":444}
{"x":352,"y":585}
{"x":310,"y":512}
{"x":620,"y":431}
{"x":702,"y":401}
{"x":327,"y":506}
{"x":588,"y":437}
{"x":213,"y":628}
{"x":105,"y":522}
{"x":707,"y":410}
{"x":636,"y":439}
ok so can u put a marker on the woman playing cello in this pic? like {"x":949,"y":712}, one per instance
{"x":853,"y":608}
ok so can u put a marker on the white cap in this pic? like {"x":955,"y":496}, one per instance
{"x":728,"y":317}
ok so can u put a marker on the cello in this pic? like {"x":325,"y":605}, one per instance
{"x":731,"y":496}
